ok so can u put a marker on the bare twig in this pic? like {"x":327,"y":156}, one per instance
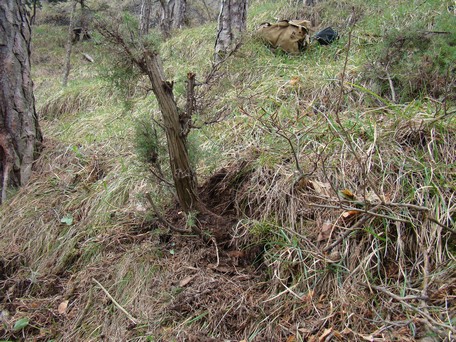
{"x":355,"y":227}
{"x":216,"y":252}
{"x":161,"y":178}
{"x":216,"y":65}
{"x":130,"y":317}
{"x":344,"y":132}
{"x":449,"y":229}
{"x":393,"y":92}
{"x":358,"y":210}
{"x":430,"y":320}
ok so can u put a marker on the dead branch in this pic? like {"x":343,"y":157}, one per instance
{"x":162,"y":219}
{"x":430,"y":321}
{"x":186,"y":116}
{"x":88,"y":57}
{"x":130,"y":317}
{"x":343,"y":207}
{"x":217,"y":65}
{"x":338,"y":120}
{"x":355,"y":227}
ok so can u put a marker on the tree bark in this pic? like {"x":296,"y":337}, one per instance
{"x":144,"y":19}
{"x":69,"y":46}
{"x":172,"y":15}
{"x":183,"y":175}
{"x":311,"y":2}
{"x":232,"y":22}
{"x":20,"y":135}
{"x":85,"y":21}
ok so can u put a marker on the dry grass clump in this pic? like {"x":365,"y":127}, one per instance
{"x":369,"y":219}
{"x":77,"y":98}
{"x":52,"y":231}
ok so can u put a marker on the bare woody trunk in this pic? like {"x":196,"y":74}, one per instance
{"x":20,"y":135}
{"x":311,"y":2}
{"x":85,"y":20}
{"x":172,"y":15}
{"x":183,"y":175}
{"x":231,"y":23}
{"x":69,"y":46}
{"x":144,"y":19}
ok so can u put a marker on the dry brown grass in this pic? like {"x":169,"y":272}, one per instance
{"x":344,"y":205}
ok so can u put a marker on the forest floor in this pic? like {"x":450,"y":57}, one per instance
{"x":334,"y":172}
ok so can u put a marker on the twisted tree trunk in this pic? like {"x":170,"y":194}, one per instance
{"x":183,"y":175}
{"x":20,"y":135}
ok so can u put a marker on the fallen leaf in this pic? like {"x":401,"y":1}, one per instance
{"x":294,"y":80}
{"x":21,"y":324}
{"x":366,"y":337}
{"x":347,"y":331}
{"x":68,"y":220}
{"x":62,"y":307}
{"x":312,"y":338}
{"x":350,"y":213}
{"x":325,"y":231}
{"x":324,"y":335}
{"x":308,"y":297}
{"x":302,"y":183}
{"x":185,"y":281}
{"x":347,"y":194}
{"x":372,"y":197}
{"x":224,"y":269}
{"x":291,"y":338}
{"x":235,"y":254}
{"x":321,"y":188}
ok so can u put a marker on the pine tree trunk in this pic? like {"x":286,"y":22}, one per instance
{"x":20,"y":135}
{"x":232,"y":22}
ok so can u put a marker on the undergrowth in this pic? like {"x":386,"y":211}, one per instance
{"x":337,"y":168}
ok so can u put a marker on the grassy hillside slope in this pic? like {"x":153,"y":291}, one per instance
{"x":337,"y":168}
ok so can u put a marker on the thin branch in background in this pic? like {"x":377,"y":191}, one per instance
{"x":344,"y":132}
{"x":273,"y":125}
{"x":159,"y":175}
{"x":32,"y":18}
{"x":217,"y":65}
{"x":69,"y":47}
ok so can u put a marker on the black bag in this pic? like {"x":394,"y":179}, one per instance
{"x":326,"y":36}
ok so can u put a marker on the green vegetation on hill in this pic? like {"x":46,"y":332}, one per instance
{"x":337,"y":168}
